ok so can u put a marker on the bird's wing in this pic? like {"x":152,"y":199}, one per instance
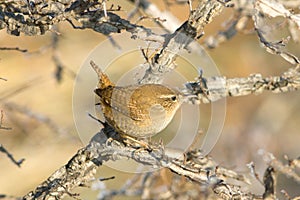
{"x":119,"y":100}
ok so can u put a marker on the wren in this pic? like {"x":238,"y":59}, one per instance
{"x":138,"y":111}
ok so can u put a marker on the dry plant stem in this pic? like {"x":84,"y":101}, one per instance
{"x":11,"y":157}
{"x":215,"y":88}
{"x":269,"y":183}
{"x":78,"y":171}
{"x":82,"y":167}
{"x":39,"y":17}
{"x":3,"y":79}
{"x":286,"y":169}
{"x":13,"y":49}
{"x":190,"y":30}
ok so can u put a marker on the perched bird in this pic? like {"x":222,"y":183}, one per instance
{"x":138,"y":111}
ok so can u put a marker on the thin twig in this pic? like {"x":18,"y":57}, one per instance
{"x":11,"y":157}
{"x":13,"y":49}
{"x":4,"y":79}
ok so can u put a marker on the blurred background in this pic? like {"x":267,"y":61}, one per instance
{"x":38,"y":107}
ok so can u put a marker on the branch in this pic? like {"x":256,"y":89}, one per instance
{"x":36,"y":19}
{"x":3,"y":79}
{"x":211,"y":89}
{"x":276,"y":47}
{"x":103,"y":147}
{"x":39,"y":17}
{"x":13,"y":49}
{"x":164,"y":61}
{"x":11,"y":157}
{"x":289,"y":169}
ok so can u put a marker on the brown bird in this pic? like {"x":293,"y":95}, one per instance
{"x":139,"y":111}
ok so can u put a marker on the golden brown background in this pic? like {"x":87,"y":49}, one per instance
{"x":268,"y":121}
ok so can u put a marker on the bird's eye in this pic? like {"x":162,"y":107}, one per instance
{"x":173,"y":98}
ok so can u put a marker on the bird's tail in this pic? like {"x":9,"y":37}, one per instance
{"x":104,"y":81}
